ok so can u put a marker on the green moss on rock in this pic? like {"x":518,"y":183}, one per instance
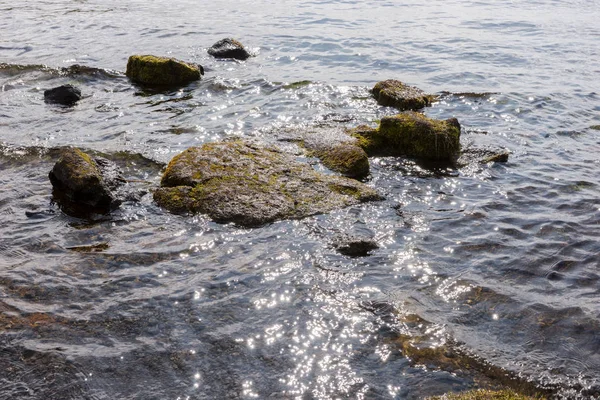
{"x":346,"y":158}
{"x":411,"y":134}
{"x":250,"y":185}
{"x":393,"y":93}
{"x":79,"y":187}
{"x":160,"y":71}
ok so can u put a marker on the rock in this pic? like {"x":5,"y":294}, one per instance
{"x":411,"y":134}
{"x":346,"y":158}
{"x":595,"y":127}
{"x":229,"y":48}
{"x":161,"y":71}
{"x":482,"y":155}
{"x":251,"y":185}
{"x":354,"y":246}
{"x":80,"y":186}
{"x":393,"y":93}
{"x":66,"y":95}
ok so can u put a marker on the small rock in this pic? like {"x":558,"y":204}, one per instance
{"x":355,"y":246}
{"x":411,"y":134}
{"x":346,"y":158}
{"x":229,"y":48}
{"x":66,"y":95}
{"x":393,"y":93}
{"x":482,"y":155}
{"x":161,"y":71}
{"x":79,"y":185}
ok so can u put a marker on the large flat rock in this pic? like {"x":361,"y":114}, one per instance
{"x":251,"y":185}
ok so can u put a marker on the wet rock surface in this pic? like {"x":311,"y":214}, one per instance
{"x":84,"y":185}
{"x":229,"y":48}
{"x":411,"y":134}
{"x":161,"y":71}
{"x":251,"y":185}
{"x":66,"y":95}
{"x":393,"y":93}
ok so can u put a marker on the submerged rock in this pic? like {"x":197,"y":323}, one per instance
{"x":66,"y":95}
{"x":411,"y":134}
{"x":161,"y":71}
{"x":229,"y":48}
{"x":482,"y":155}
{"x":84,"y":185}
{"x":251,"y":185}
{"x":393,"y":93}
{"x":354,"y":246}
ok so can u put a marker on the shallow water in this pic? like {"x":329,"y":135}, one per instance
{"x":498,"y":261}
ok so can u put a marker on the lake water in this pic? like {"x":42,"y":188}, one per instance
{"x":497,"y":264}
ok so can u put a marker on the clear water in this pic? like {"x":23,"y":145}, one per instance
{"x":499,"y":260}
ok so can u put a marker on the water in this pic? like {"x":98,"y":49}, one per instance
{"x":496,"y":263}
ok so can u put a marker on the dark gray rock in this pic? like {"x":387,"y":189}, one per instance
{"x":66,"y":95}
{"x":393,"y":93}
{"x":229,"y":48}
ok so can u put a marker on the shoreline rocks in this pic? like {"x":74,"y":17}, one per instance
{"x":393,"y":93}
{"x":161,"y":71}
{"x":229,"y":48}
{"x":251,"y":185}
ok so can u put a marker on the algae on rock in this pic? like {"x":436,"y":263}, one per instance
{"x":346,"y":158}
{"x":483,"y":394}
{"x":251,"y":185}
{"x":411,"y":134}
{"x":80,"y":186}
{"x":394,"y":93}
{"x":161,"y":71}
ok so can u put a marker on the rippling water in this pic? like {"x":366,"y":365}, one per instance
{"x":496,"y":265}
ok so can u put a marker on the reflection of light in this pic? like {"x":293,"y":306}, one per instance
{"x":247,"y":389}
{"x":450,"y":290}
{"x":495,"y":317}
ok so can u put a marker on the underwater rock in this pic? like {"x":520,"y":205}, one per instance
{"x":482,"y":155}
{"x":67,"y":95}
{"x":411,"y":134}
{"x":84,"y":185}
{"x":161,"y":71}
{"x":229,"y":48}
{"x":393,"y":93}
{"x":354,"y":246}
{"x":346,"y":158}
{"x":251,"y":185}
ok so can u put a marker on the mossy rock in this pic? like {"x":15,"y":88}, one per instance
{"x":229,"y":48}
{"x":161,"y":71}
{"x":411,"y":134}
{"x":483,"y":394}
{"x":252,"y":185}
{"x":393,"y":93}
{"x":79,"y":185}
{"x":346,"y":158}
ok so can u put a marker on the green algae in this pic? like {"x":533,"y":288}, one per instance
{"x":160,"y":71}
{"x":296,"y":85}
